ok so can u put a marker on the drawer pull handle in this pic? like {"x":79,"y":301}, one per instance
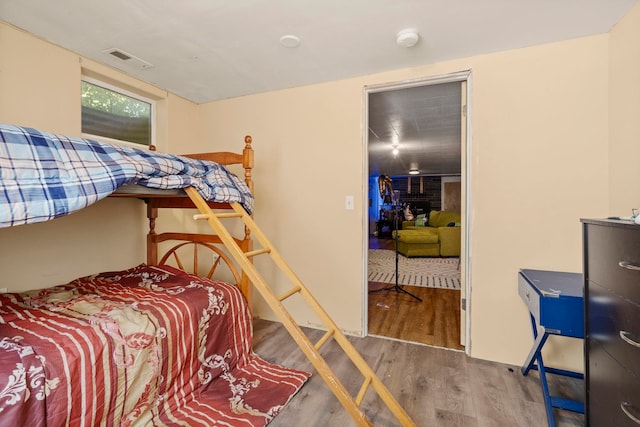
{"x":629,"y":266}
{"x":624,"y":406}
{"x":625,"y":337}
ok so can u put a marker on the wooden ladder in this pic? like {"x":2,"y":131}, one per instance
{"x":352,"y":405}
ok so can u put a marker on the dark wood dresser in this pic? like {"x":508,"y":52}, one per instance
{"x":612,"y":322}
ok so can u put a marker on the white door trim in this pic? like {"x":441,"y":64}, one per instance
{"x":466,"y":173}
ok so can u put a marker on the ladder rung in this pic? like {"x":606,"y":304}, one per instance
{"x":229,"y":215}
{"x":324,"y":338}
{"x":288,"y":294}
{"x":363,"y":390}
{"x":220,"y":215}
{"x":257,"y":252}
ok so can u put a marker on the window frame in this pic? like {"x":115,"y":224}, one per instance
{"x":120,"y":90}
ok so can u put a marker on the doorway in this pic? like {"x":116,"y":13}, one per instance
{"x":418,"y":138}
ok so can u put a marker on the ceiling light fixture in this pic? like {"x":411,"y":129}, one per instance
{"x":407,"y":37}
{"x":395,"y":151}
{"x":290,"y":41}
{"x":414,"y":172}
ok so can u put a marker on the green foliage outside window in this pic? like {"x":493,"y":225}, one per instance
{"x":106,"y":100}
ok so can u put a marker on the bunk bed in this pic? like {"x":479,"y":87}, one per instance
{"x":149,"y":345}
{"x":137,"y":310}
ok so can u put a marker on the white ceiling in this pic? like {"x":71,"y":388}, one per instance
{"x":206,"y":50}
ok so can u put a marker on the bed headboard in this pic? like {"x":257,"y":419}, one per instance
{"x":227,"y":158}
{"x":155,"y":202}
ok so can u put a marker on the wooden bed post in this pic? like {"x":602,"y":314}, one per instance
{"x":247,"y":246}
{"x":152,"y":245}
{"x":247,"y":164}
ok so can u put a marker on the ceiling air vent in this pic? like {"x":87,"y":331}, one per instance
{"x":128,"y":58}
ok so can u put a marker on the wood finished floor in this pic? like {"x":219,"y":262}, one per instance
{"x":434,"y":321}
{"x":437,"y":387}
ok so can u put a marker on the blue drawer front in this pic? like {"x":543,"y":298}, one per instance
{"x":555,"y":300}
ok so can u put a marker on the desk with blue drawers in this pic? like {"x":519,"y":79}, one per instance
{"x":556,"y":306}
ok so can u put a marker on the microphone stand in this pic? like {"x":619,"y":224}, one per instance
{"x":396,"y":287}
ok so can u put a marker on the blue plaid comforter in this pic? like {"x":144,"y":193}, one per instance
{"x":44,"y":176}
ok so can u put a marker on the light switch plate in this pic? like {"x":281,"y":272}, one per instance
{"x":348,"y":203}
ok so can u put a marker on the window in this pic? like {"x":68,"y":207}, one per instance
{"x":116,"y":114}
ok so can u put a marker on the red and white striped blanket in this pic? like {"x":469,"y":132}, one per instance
{"x":145,"y":346}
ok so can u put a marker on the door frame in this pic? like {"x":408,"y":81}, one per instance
{"x":465,"y":256}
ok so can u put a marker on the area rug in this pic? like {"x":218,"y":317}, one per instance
{"x":427,"y":272}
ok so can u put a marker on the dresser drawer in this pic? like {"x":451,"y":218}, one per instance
{"x":615,"y":323}
{"x":612,"y":395}
{"x":612,"y":259}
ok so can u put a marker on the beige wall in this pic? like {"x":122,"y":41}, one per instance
{"x":40,"y":87}
{"x":308,"y":149}
{"x":37,"y":83}
{"x":540,"y":161}
{"x":624,"y":114}
{"x":539,"y":164}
